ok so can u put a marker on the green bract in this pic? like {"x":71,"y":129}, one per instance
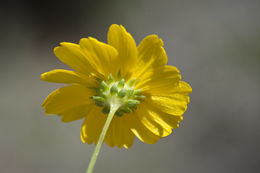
{"x":118,"y":93}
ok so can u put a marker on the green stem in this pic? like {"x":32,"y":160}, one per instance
{"x":101,"y":139}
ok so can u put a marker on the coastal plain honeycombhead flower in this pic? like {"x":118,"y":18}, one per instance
{"x":147,"y":95}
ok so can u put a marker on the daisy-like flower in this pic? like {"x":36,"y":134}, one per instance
{"x":146,"y":96}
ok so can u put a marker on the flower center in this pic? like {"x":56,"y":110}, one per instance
{"x":119,"y":94}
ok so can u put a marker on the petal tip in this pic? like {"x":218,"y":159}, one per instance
{"x":56,"y":49}
{"x":114,"y":26}
{"x":43,"y":76}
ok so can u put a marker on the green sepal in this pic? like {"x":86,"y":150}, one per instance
{"x":131,"y":82}
{"x":99,"y":101}
{"x":119,"y":75}
{"x":138,"y":91}
{"x":132,"y":103}
{"x":130,"y":92}
{"x":104,"y":95}
{"x":119,"y":113}
{"x":121,"y":83}
{"x":104,"y":86}
{"x":106,"y":109}
{"x":99,"y":80}
{"x":118,"y":92}
{"x":113,"y":89}
{"x":110,"y":79}
{"x":127,"y":110}
{"x":122,"y":93}
{"x":142,"y":97}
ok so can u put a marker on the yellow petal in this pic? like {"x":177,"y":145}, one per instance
{"x":120,"y":39}
{"x":140,"y":130}
{"x":113,"y":134}
{"x":93,"y":125}
{"x":102,"y":56}
{"x":68,"y":77}
{"x":175,"y":104}
{"x":128,"y":137}
{"x":119,"y":133}
{"x":152,"y":121}
{"x":164,"y":118}
{"x":184,"y":88}
{"x":76,"y":113}
{"x":65,"y":98}
{"x":159,"y":80}
{"x":151,"y":54}
{"x":72,"y":55}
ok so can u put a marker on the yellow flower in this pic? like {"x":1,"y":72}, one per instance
{"x":148,"y":95}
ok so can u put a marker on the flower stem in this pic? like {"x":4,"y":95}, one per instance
{"x":101,"y":139}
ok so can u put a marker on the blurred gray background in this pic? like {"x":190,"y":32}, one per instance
{"x":215,"y":44}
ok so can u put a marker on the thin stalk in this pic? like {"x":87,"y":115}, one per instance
{"x":101,"y":139}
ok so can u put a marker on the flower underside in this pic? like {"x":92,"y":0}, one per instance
{"x":133,"y":82}
{"x":118,"y":93}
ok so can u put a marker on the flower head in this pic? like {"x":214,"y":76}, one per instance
{"x":149,"y":96}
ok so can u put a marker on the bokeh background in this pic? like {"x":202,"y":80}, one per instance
{"x":215,"y":44}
